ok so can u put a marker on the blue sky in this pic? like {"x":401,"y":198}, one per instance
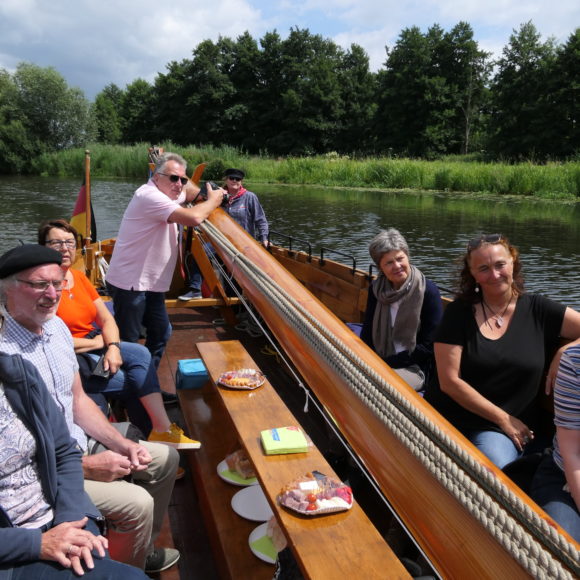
{"x":93,"y":43}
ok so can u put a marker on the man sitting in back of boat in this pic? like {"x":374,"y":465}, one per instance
{"x":245,"y":208}
{"x":147,"y":247}
{"x":31,"y":283}
{"x":403,"y":310}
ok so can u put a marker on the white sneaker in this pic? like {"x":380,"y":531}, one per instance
{"x":191,"y":295}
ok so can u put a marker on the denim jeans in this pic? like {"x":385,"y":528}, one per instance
{"x":496,"y":446}
{"x":105,"y":568}
{"x":192,"y":268}
{"x":547,"y":491}
{"x":136,"y":378}
{"x":140,"y":308}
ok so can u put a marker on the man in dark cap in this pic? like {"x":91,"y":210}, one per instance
{"x":31,"y":283}
{"x":245,"y":208}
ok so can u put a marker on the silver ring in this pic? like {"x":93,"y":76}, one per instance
{"x":69,"y":549}
{"x":526,"y":439}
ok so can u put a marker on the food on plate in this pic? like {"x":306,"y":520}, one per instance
{"x":274,"y":532}
{"x":242,"y":379}
{"x":316,"y":494}
{"x":239,"y":462}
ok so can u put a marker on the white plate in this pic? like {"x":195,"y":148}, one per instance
{"x":251,"y":503}
{"x":231,"y":477}
{"x":257,"y":534}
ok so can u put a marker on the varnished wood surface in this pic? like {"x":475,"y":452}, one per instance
{"x":457,"y":544}
{"x":328,"y":546}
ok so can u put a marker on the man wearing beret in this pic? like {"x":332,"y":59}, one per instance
{"x":245,"y":208}
{"x":31,"y":283}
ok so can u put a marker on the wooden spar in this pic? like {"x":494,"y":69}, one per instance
{"x":88,"y":232}
{"x":456,"y":543}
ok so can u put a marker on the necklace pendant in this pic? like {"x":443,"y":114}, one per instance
{"x":499,"y":321}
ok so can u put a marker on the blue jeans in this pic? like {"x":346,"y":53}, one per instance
{"x":496,"y":446}
{"x":105,"y":568}
{"x":139,"y":308}
{"x":136,"y":378}
{"x":195,"y":277}
{"x":547,"y":491}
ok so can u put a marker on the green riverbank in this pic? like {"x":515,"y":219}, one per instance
{"x":546,"y":181}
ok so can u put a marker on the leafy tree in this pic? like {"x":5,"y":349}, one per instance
{"x":403,"y":111}
{"x":56,"y":115}
{"x":302,"y":103}
{"x":564,"y":99}
{"x":137,"y":111}
{"x":466,"y":70}
{"x":358,"y":89}
{"x":16,"y":145}
{"x":520,"y":103}
{"x":106,"y":112}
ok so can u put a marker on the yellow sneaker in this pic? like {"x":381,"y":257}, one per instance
{"x":174,"y":437}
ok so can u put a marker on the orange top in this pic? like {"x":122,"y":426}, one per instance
{"x":77,"y":306}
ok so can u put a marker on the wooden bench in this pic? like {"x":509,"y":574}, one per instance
{"x":339,"y":545}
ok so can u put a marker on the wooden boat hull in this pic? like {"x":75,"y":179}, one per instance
{"x":457,"y":544}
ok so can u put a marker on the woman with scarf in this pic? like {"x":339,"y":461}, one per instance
{"x":403,"y":311}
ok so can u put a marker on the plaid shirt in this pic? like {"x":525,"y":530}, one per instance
{"x":53,"y":355}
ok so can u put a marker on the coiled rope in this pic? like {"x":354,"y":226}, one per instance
{"x":517,"y":527}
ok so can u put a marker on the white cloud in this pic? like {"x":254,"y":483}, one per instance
{"x":97,"y":42}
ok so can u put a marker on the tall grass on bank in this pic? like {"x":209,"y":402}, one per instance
{"x":552,"y":180}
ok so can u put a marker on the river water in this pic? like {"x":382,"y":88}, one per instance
{"x":437,"y":225}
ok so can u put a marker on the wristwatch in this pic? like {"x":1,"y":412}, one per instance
{"x":117,"y":344}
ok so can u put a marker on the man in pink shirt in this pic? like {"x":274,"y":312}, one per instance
{"x":147,"y":247}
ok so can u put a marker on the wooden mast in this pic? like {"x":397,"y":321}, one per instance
{"x":88,"y":233}
{"x":458,"y":544}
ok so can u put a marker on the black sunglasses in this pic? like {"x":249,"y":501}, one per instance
{"x":231,"y":178}
{"x":175,"y":178}
{"x":484,"y":239}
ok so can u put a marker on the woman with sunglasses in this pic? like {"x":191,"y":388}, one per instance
{"x":491,"y":350}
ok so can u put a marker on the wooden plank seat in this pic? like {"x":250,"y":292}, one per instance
{"x":338,"y":545}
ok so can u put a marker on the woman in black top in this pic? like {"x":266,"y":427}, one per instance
{"x":490,"y":350}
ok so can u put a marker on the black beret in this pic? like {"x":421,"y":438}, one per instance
{"x":234,"y":173}
{"x":27,"y":256}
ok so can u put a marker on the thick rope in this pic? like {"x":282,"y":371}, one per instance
{"x":514,"y":524}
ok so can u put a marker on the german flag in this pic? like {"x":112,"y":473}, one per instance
{"x":79,"y":215}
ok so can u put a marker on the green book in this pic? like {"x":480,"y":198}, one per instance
{"x":284,"y":440}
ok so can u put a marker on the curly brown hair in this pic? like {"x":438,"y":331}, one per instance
{"x":467,"y":283}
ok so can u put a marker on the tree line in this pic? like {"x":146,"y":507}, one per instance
{"x":437,"y":94}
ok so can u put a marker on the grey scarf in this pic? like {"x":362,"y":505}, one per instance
{"x":411,"y":295}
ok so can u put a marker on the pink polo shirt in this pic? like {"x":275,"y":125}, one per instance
{"x":146,"y":249}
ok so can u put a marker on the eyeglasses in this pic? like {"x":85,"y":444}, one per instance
{"x":175,"y":178}
{"x":484,"y":239}
{"x":234,"y":178}
{"x":70,"y":244}
{"x":42,"y":285}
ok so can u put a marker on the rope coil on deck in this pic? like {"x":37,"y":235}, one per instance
{"x":514,"y":524}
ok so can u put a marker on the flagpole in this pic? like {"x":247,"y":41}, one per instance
{"x":88,"y":198}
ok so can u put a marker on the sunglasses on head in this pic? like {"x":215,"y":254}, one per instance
{"x":175,"y":178}
{"x":232,"y":178}
{"x":484,"y":239}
